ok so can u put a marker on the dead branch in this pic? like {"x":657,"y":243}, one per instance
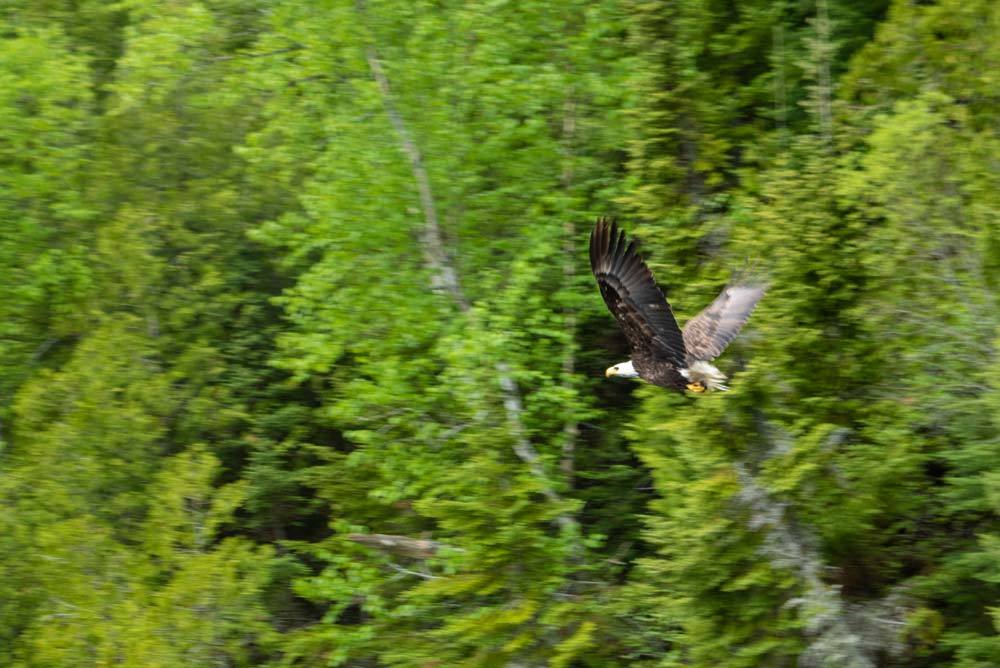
{"x":403,"y":546}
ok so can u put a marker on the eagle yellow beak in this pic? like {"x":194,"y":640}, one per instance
{"x":696,"y":387}
{"x":611,"y":371}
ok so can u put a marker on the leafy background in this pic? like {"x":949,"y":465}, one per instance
{"x":279,"y":277}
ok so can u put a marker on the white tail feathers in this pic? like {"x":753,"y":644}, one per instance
{"x":706,"y":374}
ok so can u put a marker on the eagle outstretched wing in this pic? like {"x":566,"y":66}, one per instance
{"x":633,"y":296}
{"x":707,"y":334}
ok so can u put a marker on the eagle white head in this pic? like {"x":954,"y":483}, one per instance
{"x":622,"y":370}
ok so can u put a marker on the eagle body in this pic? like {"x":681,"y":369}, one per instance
{"x":662,"y":353}
{"x":657,"y":373}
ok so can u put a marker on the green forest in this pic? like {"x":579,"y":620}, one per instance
{"x":302,"y":362}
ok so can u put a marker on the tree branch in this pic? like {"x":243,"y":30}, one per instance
{"x":417,"y":574}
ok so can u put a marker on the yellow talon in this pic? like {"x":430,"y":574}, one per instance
{"x":696,"y":387}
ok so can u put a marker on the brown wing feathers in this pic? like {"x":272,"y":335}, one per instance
{"x":633,"y":297}
{"x":707,"y":334}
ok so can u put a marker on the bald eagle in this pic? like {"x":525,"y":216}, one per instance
{"x":662,"y":353}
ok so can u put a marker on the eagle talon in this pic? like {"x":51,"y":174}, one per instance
{"x":696,"y":387}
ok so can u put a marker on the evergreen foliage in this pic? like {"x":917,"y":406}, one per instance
{"x":300,"y":357}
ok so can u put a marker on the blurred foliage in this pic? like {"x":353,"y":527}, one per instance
{"x":282,"y":273}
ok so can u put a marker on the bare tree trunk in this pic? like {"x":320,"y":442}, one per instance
{"x":823,"y":53}
{"x":571,"y":430}
{"x":444,"y":277}
{"x":843,"y":634}
{"x":780,"y":90}
{"x":834,"y":642}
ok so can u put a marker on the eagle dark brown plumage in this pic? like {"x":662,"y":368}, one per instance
{"x":662,"y":353}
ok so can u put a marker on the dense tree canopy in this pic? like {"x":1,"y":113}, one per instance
{"x":301,"y":363}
